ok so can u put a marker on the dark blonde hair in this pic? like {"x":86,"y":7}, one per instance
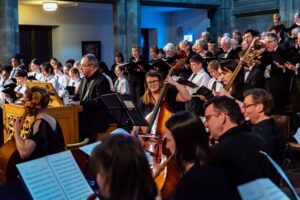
{"x":213,"y":65}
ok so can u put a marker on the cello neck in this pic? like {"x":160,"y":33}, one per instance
{"x":158,"y":104}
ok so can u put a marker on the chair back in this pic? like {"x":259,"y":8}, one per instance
{"x":283,"y":122}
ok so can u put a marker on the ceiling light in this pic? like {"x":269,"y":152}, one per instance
{"x":50,"y":6}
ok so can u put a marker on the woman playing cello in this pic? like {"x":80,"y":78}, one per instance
{"x":153,"y":85}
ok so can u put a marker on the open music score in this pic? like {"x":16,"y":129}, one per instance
{"x":56,"y":176}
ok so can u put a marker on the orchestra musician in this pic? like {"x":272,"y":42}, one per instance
{"x":187,"y":141}
{"x":153,"y":85}
{"x":122,"y":170}
{"x":44,"y":137}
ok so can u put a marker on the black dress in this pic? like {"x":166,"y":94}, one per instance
{"x":47,"y":141}
{"x":203,"y":183}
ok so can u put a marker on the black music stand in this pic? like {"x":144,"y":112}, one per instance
{"x":124,"y":111}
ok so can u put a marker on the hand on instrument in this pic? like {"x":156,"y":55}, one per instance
{"x":170,"y":80}
{"x":135,"y":131}
{"x":18,"y":125}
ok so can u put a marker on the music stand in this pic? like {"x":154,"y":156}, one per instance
{"x":124,"y":111}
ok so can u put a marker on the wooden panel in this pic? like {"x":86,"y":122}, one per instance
{"x":66,"y":116}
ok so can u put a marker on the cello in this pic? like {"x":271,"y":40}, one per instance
{"x":164,"y":168}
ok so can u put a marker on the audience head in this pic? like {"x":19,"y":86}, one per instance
{"x":186,"y":139}
{"x":154,"y":51}
{"x":53,"y":61}
{"x":258,"y":104}
{"x":213,"y":67}
{"x":170,"y":50}
{"x":221,"y":114}
{"x":119,"y":58}
{"x":74,"y":73}
{"x":15,"y":61}
{"x":237,"y":35}
{"x":196,"y":63}
{"x":249,"y":35}
{"x":122,"y":170}
{"x":276,"y":19}
{"x":271,"y":41}
{"x":47,"y":69}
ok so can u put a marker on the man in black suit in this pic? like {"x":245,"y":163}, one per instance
{"x":276,"y":74}
{"x":237,"y":150}
{"x":95,"y":116}
{"x":228,"y":51}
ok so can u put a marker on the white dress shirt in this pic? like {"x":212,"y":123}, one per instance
{"x":122,"y":86}
{"x":219,"y":85}
{"x":200,"y":79}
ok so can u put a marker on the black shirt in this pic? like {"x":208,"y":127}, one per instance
{"x":203,"y":183}
{"x":238,"y":153}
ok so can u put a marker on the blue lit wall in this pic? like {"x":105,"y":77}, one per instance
{"x":168,"y":21}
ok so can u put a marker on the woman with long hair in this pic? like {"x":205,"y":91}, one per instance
{"x":122,"y":170}
{"x":187,"y":141}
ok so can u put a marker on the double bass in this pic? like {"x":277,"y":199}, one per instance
{"x":165,"y":171}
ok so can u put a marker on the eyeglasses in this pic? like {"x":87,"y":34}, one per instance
{"x":152,"y":82}
{"x":207,"y":117}
{"x":270,"y":41}
{"x":245,"y":106}
{"x":85,"y":65}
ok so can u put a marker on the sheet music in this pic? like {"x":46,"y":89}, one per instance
{"x":261,"y":189}
{"x":56,"y":176}
{"x":282,"y":174}
{"x":40,"y":180}
{"x":88,"y":149}
{"x":120,"y":131}
{"x":69,"y":175}
{"x":297,"y":136}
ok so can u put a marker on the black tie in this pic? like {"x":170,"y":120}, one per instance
{"x":193,"y":76}
{"x":214,"y":86}
{"x":116,"y":84}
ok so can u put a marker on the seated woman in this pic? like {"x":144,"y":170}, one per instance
{"x":45,"y":134}
{"x":187,"y":141}
{"x":122,"y":170}
{"x":153,"y":85}
{"x":44,"y":137}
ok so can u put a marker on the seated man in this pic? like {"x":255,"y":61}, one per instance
{"x":258,"y":105}
{"x":95,"y":116}
{"x":237,"y":150}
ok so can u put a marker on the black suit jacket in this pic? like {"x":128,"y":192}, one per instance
{"x":255,"y":79}
{"x":238,"y":154}
{"x":95,"y":116}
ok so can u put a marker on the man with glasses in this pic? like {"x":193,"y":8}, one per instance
{"x":95,"y":117}
{"x":237,"y":150}
{"x":276,"y":74}
{"x":258,"y":105}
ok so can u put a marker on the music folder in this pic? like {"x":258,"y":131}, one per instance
{"x":123,"y":109}
{"x":55,"y":176}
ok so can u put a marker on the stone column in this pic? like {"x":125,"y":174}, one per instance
{"x":9,"y":26}
{"x":127,"y":26}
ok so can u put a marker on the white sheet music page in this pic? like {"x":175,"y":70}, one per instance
{"x":297,"y":136}
{"x":69,"y":176}
{"x":261,"y":189}
{"x":40,"y":180}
